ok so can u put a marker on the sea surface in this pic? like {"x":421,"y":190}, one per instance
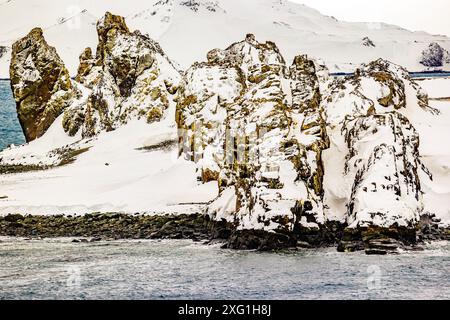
{"x":61,"y":269}
{"x":10,"y":130}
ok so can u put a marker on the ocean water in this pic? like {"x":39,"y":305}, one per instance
{"x":60,"y":269}
{"x":10,"y":130}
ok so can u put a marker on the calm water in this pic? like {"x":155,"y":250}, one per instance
{"x":59,"y":269}
{"x":10,"y":130}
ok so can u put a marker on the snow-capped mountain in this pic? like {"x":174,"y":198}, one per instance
{"x":188,"y":28}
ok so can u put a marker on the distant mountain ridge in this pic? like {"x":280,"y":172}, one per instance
{"x":188,"y":28}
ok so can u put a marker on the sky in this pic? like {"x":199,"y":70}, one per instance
{"x":416,"y":15}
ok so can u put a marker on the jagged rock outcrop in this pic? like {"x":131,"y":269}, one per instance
{"x":40,"y":82}
{"x":367,"y":42}
{"x":87,"y":62}
{"x":383,"y":160}
{"x":130,"y":77}
{"x":196,"y":5}
{"x":256,"y":126}
{"x":435,"y":56}
{"x":3,"y":51}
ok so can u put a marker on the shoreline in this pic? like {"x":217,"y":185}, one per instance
{"x":200,"y":228}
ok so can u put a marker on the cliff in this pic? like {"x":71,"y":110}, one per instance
{"x":274,"y":154}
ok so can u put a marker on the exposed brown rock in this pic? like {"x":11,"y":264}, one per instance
{"x":40,"y":82}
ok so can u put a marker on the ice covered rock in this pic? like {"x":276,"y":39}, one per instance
{"x":435,"y":56}
{"x":256,"y":126}
{"x":383,"y":161}
{"x":366,"y":112}
{"x":130,"y":77}
{"x":40,"y":82}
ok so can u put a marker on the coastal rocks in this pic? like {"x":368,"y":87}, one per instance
{"x":130,"y":78}
{"x":107,"y":226}
{"x":435,"y":56}
{"x":375,"y":240}
{"x":300,"y":160}
{"x":256,"y":126}
{"x":40,"y":82}
{"x":431,"y":228}
{"x":382,"y":164}
{"x":385,"y":171}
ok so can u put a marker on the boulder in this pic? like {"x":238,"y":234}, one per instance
{"x":40,"y":82}
{"x":435,"y":56}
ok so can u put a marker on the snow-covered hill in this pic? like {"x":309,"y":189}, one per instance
{"x":186,"y":29}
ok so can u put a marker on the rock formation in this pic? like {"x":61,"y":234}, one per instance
{"x":256,"y":127}
{"x":435,"y":56}
{"x":40,"y":82}
{"x":2,"y":51}
{"x":130,"y":77}
{"x":253,"y":124}
{"x":367,"y":42}
{"x":383,"y":161}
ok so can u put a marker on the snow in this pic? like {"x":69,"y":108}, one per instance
{"x":113,"y":176}
{"x":436,"y":88}
{"x":435,"y":152}
{"x":187,"y":35}
{"x":37,"y":151}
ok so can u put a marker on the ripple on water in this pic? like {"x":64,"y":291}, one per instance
{"x":49,"y":269}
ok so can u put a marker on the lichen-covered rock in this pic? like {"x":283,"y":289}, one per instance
{"x":40,"y":82}
{"x":435,"y":56}
{"x":381,"y":186}
{"x":256,"y":126}
{"x":87,"y":62}
{"x":383,"y":161}
{"x":377,"y":87}
{"x":130,"y":78}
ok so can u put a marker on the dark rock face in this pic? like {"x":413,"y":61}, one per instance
{"x":367,"y":42}
{"x":40,"y":82}
{"x":87,"y":62}
{"x":431,"y":230}
{"x":107,"y":226}
{"x":2,"y":51}
{"x":376,"y":240}
{"x":435,"y":56}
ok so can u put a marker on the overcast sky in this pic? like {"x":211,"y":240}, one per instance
{"x":424,"y":15}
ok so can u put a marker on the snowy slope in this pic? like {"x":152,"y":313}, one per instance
{"x":114,"y":176}
{"x":187,"y":29}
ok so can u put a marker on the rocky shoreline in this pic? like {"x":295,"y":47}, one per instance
{"x":200,"y":228}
